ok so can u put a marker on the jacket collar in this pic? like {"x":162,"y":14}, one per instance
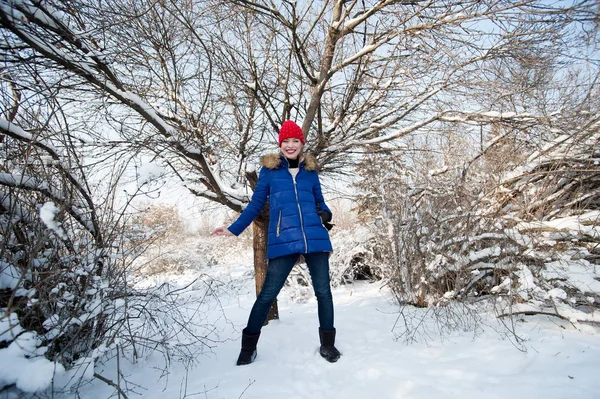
{"x":274,"y":161}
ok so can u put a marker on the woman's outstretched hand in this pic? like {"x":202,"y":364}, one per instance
{"x":221,"y":231}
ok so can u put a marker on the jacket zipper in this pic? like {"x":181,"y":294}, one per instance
{"x":299,"y":209}
{"x":301,"y":218}
{"x":279,"y":224}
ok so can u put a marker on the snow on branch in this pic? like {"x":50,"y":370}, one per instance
{"x":369,"y":48}
{"x":18,"y":133}
{"x":31,"y":183}
{"x":48,"y":213}
{"x":559,"y":310}
{"x":352,"y":23}
{"x":14,"y":206}
{"x":238,"y":196}
{"x":488,"y":117}
{"x":396,"y":134}
{"x":219,"y":191}
{"x":586,"y":224}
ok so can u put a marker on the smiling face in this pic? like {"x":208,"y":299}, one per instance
{"x":291,"y":148}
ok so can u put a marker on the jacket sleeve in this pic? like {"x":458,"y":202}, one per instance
{"x":256,"y":205}
{"x":319,"y":199}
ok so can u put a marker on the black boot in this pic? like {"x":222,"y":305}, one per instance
{"x":328,"y":350}
{"x":248,"y":352}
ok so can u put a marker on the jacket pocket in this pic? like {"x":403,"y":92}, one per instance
{"x":279,"y":223}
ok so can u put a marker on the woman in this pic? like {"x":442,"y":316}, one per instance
{"x":296,"y":227}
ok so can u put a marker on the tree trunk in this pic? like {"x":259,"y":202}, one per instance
{"x":260,"y":228}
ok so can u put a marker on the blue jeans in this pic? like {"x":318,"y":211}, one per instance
{"x":277,"y":272}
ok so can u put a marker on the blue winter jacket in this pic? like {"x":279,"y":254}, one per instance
{"x":294,"y":225}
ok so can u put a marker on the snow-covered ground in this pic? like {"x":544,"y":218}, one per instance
{"x":560,"y":361}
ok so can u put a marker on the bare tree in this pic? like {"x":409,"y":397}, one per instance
{"x":363,"y":76}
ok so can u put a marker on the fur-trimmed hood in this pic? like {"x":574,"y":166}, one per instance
{"x":272,"y":161}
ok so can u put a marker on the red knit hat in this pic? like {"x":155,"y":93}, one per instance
{"x":289,"y":130}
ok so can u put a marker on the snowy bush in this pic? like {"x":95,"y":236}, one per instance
{"x":58,"y":269}
{"x":67,"y":273}
{"x":66,"y":311}
{"x":56,"y":288}
{"x":529,"y":237}
{"x":357,"y":256}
